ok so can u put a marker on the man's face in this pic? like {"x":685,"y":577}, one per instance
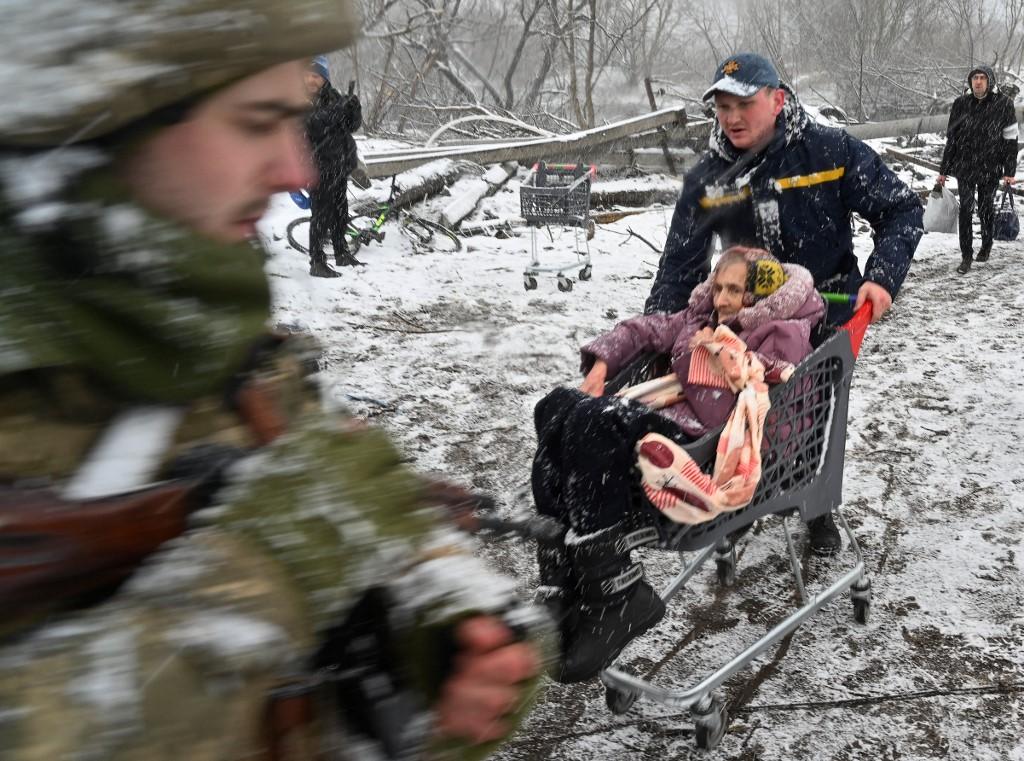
{"x":749,"y":123}
{"x":216,"y":170}
{"x":313,"y":82}
{"x":979,"y":84}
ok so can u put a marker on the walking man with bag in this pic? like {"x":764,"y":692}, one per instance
{"x":981,"y":147}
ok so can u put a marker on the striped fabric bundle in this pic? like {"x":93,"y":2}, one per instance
{"x":670,"y":478}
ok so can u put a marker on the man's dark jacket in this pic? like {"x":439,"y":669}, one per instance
{"x":795,"y":199}
{"x":981,"y":139}
{"x":330,"y":125}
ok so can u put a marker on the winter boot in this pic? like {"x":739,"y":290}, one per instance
{"x":343,"y":258}
{"x":986,"y":249}
{"x":557,"y":584}
{"x":318,"y":267}
{"x":615,"y":603}
{"x":823,"y":536}
{"x":965,"y":265}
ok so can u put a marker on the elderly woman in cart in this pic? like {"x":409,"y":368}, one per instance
{"x":749,"y":324}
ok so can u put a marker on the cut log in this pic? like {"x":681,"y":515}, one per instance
{"x":634,"y":192}
{"x":475,"y":191}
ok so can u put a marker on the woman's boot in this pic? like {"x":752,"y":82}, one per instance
{"x":557,"y":584}
{"x":614,"y":605}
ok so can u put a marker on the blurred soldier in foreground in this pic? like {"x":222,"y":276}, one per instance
{"x":138,"y":384}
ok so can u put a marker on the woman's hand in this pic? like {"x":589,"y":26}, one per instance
{"x":701,"y":336}
{"x":593,"y":384}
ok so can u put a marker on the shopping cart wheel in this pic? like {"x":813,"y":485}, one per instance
{"x":861,"y":611}
{"x":564,"y":283}
{"x":725,"y":569}
{"x":586,"y":272}
{"x":711,"y":723}
{"x":861,"y":594}
{"x":618,"y":700}
{"x":529,"y":282}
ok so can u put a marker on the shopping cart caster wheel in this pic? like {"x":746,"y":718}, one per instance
{"x":619,"y":701}
{"x":725,"y":569}
{"x":710,"y":725}
{"x":530,"y":283}
{"x":861,"y":611}
{"x":860,"y":592}
{"x":564,"y":284}
{"x":586,"y":272}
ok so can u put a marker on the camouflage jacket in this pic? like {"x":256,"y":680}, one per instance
{"x":106,"y":310}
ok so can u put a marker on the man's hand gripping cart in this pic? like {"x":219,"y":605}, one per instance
{"x":558,"y":194}
{"x":803,"y":448}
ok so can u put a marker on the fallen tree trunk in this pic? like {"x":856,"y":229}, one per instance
{"x":915,"y":126}
{"x":478,"y":189}
{"x":576,"y":145}
{"x":410,"y":187}
{"x":910,"y":158}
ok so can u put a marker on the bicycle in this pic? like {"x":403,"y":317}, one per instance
{"x":422,"y":232}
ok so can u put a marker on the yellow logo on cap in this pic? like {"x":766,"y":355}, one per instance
{"x":731,"y":67}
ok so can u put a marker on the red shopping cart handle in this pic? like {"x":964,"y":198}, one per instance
{"x":857,"y":326}
{"x":591,"y":170}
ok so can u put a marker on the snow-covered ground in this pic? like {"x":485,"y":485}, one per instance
{"x":449,"y":353}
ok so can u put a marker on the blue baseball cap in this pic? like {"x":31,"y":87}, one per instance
{"x":319,"y":66}
{"x":743,"y":74}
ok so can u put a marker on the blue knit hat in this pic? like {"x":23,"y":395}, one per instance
{"x":319,"y":66}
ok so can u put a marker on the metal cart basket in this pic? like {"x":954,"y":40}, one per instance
{"x":803,"y":455}
{"x":557,"y":194}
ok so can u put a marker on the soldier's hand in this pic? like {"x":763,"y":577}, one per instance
{"x":877,"y":295}
{"x":1009,"y":180}
{"x":487,"y":683}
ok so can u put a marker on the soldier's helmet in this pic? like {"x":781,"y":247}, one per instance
{"x":74,"y":71}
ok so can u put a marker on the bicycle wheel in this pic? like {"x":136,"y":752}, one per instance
{"x":430,"y":235}
{"x":291,"y":234}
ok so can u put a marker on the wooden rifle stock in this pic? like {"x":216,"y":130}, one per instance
{"x":54,"y":552}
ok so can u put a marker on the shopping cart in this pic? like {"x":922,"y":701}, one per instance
{"x":803,"y":454}
{"x":558,"y":194}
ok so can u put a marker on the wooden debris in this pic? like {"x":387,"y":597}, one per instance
{"x":480,"y":188}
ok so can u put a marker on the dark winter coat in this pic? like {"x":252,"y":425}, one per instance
{"x":777,"y":329}
{"x":330,"y":125}
{"x":795,"y":199}
{"x":981,"y":139}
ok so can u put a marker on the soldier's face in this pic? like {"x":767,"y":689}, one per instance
{"x":749,"y":123}
{"x":216,"y":170}
{"x":979,"y":84}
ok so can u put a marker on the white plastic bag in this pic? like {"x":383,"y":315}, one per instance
{"x":940,"y":215}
